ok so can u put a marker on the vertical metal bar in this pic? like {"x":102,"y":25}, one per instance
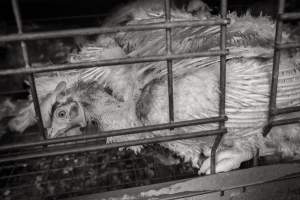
{"x":17,"y":15}
{"x":222,"y":86}
{"x":169,"y":61}
{"x":275,"y":71}
{"x":256,"y":157}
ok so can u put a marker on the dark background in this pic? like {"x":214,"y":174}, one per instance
{"x":39,"y":10}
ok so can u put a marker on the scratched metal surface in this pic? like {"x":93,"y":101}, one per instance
{"x":281,"y":181}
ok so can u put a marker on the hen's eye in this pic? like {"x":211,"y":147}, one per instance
{"x":61,"y":114}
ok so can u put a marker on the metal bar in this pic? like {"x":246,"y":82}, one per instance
{"x":93,"y":31}
{"x":267,"y":128}
{"x":112,"y":133}
{"x":275,"y":70}
{"x":13,"y":92}
{"x":289,"y":16}
{"x":287,"y":46}
{"x":169,"y":61}
{"x":115,"y":145}
{"x":285,"y":121}
{"x":222,"y":86}
{"x":256,"y":157}
{"x":17,"y":15}
{"x":286,"y":110}
{"x":110,"y":62}
{"x":213,"y":153}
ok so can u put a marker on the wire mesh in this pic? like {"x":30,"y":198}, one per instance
{"x":67,"y":166}
{"x":31,"y":170}
{"x":167,"y":25}
{"x":74,"y":174}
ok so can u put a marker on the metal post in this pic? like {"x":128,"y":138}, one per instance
{"x":17,"y":15}
{"x":275,"y":71}
{"x":169,"y":61}
{"x":222,"y":85}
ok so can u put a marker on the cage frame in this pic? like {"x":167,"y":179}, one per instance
{"x":168,"y":57}
{"x":167,"y":25}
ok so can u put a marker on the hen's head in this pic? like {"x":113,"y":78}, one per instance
{"x":64,"y":111}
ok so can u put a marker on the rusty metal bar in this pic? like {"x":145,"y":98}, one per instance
{"x":93,"y":31}
{"x":169,"y":61}
{"x":275,"y":70}
{"x":110,"y":62}
{"x":112,"y":133}
{"x":222,"y":86}
{"x":286,"y":110}
{"x":17,"y":15}
{"x":287,"y":46}
{"x":115,"y":145}
{"x":289,"y":16}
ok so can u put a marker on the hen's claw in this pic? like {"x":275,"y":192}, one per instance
{"x":227,"y":160}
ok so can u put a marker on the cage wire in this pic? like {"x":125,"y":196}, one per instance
{"x":57,"y":176}
{"x":82,"y":173}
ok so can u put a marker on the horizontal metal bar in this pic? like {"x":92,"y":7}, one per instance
{"x":101,"y":30}
{"x":281,"y":122}
{"x":285,"y":121}
{"x":279,"y":111}
{"x":290,"y":16}
{"x":110,"y":62}
{"x":115,"y":145}
{"x":14,"y":92}
{"x":287,"y":46}
{"x":106,"y":134}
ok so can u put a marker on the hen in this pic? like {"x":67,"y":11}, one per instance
{"x":136,"y":95}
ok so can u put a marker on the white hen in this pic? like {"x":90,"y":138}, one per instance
{"x":139,"y":92}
